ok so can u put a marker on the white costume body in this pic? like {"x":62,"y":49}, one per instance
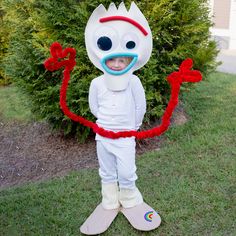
{"x":117,"y":111}
{"x":117,"y":98}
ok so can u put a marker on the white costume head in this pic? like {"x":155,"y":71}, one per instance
{"x":116,"y":33}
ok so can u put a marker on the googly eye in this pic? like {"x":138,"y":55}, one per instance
{"x":105,"y":38}
{"x":130,"y":45}
{"x":104,"y":43}
{"x":130,"y":41}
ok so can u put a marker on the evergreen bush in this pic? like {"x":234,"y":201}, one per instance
{"x":180,"y":29}
{"x":4,"y":40}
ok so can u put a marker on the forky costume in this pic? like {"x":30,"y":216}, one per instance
{"x":117,"y":100}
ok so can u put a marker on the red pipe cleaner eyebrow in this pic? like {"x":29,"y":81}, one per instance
{"x":127,"y":19}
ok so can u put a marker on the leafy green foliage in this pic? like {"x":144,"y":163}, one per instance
{"x":180,"y":29}
{"x":4,"y":40}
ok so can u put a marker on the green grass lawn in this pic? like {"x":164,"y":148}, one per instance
{"x":190,"y":181}
{"x":13,"y":105}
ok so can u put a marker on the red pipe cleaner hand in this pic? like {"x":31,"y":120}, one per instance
{"x":55,"y":62}
{"x":185,"y":74}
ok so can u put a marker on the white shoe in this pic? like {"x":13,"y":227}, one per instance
{"x":110,"y":194}
{"x":130,"y":197}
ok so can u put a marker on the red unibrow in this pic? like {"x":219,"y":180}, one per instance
{"x":123,"y":18}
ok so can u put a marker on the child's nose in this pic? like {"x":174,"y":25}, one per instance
{"x":116,"y":62}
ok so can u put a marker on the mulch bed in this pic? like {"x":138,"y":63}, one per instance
{"x":32,"y":152}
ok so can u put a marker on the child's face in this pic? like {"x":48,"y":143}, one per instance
{"x":118,"y":63}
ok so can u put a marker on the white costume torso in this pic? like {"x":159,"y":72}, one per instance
{"x":117,"y":110}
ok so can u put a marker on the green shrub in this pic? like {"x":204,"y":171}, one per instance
{"x":180,"y":29}
{"x":4,"y":40}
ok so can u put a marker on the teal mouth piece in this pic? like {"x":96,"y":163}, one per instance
{"x":121,"y":72}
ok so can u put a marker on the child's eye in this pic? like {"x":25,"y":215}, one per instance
{"x":110,"y":60}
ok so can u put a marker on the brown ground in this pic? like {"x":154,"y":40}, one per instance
{"x":32,"y":152}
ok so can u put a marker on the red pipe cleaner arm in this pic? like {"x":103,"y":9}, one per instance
{"x":185,"y":74}
{"x":55,"y":63}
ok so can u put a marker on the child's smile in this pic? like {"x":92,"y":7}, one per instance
{"x":118,"y":63}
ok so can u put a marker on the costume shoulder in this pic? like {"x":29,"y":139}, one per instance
{"x":96,"y":81}
{"x":134,"y":80}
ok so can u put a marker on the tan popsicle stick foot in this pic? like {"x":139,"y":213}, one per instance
{"x":99,"y":221}
{"x":142,"y":217}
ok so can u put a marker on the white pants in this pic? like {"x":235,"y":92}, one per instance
{"x":117,"y":162}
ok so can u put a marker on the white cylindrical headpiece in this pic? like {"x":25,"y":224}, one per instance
{"x":118,"y":36}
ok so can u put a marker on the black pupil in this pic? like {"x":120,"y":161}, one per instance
{"x":130,"y":44}
{"x":104,"y":43}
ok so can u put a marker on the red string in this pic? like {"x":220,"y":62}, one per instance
{"x":185,"y":74}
